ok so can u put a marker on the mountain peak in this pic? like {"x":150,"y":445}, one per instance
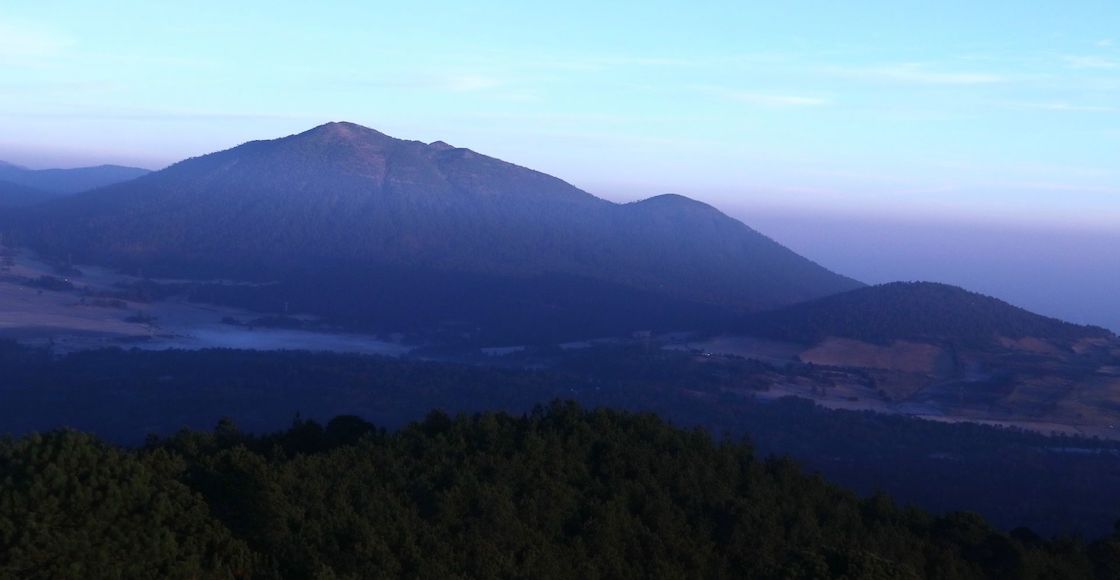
{"x":675,"y":199}
{"x":440,"y":145}
{"x":674,"y":203}
{"x":343,"y":131}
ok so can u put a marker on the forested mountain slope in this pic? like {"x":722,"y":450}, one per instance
{"x":16,"y":195}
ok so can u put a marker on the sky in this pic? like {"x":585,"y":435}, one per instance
{"x":995,"y":116}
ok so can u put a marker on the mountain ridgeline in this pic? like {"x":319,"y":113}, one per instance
{"x":347,"y":208}
{"x":20,"y":186}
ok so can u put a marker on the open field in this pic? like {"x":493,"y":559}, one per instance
{"x":68,"y":309}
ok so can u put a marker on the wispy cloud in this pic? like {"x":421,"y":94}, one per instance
{"x":457,"y":82}
{"x":1104,"y":43}
{"x":504,"y":86}
{"x":170,"y":114}
{"x":39,"y":89}
{"x":766,"y":99}
{"x":603,"y":62}
{"x":566,"y":119}
{"x":777,"y":100}
{"x":1060,"y":106}
{"x":1092,"y":62}
{"x":917,"y":73}
{"x":644,"y":61}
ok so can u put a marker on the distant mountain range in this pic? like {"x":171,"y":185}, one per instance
{"x":20,"y":186}
{"x":347,"y":213}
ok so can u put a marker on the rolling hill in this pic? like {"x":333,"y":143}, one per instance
{"x":347,"y":211}
{"x":913,"y":311}
{"x":941,"y":351}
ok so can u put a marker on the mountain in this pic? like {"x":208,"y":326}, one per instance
{"x":345,"y":206}
{"x":912,"y":311}
{"x":16,"y":195}
{"x":68,"y":181}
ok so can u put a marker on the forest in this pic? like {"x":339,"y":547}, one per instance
{"x":559,"y":492}
{"x":1052,"y":485}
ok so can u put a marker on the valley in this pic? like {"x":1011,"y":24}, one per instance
{"x":1027,"y":383}
{"x":88,"y":307}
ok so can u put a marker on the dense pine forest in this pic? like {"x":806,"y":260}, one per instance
{"x":557,"y":493}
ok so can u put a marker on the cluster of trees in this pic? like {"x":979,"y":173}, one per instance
{"x":557,"y":493}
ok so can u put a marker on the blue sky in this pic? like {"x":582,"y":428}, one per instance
{"x":972,"y":111}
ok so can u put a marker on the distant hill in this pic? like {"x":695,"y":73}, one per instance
{"x":911,"y":310}
{"x":68,"y":181}
{"x":335,"y":206}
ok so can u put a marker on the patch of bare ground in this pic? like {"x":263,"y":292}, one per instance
{"x":75,"y":316}
{"x":24,"y":310}
{"x":1030,"y":344}
{"x":901,"y":355}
